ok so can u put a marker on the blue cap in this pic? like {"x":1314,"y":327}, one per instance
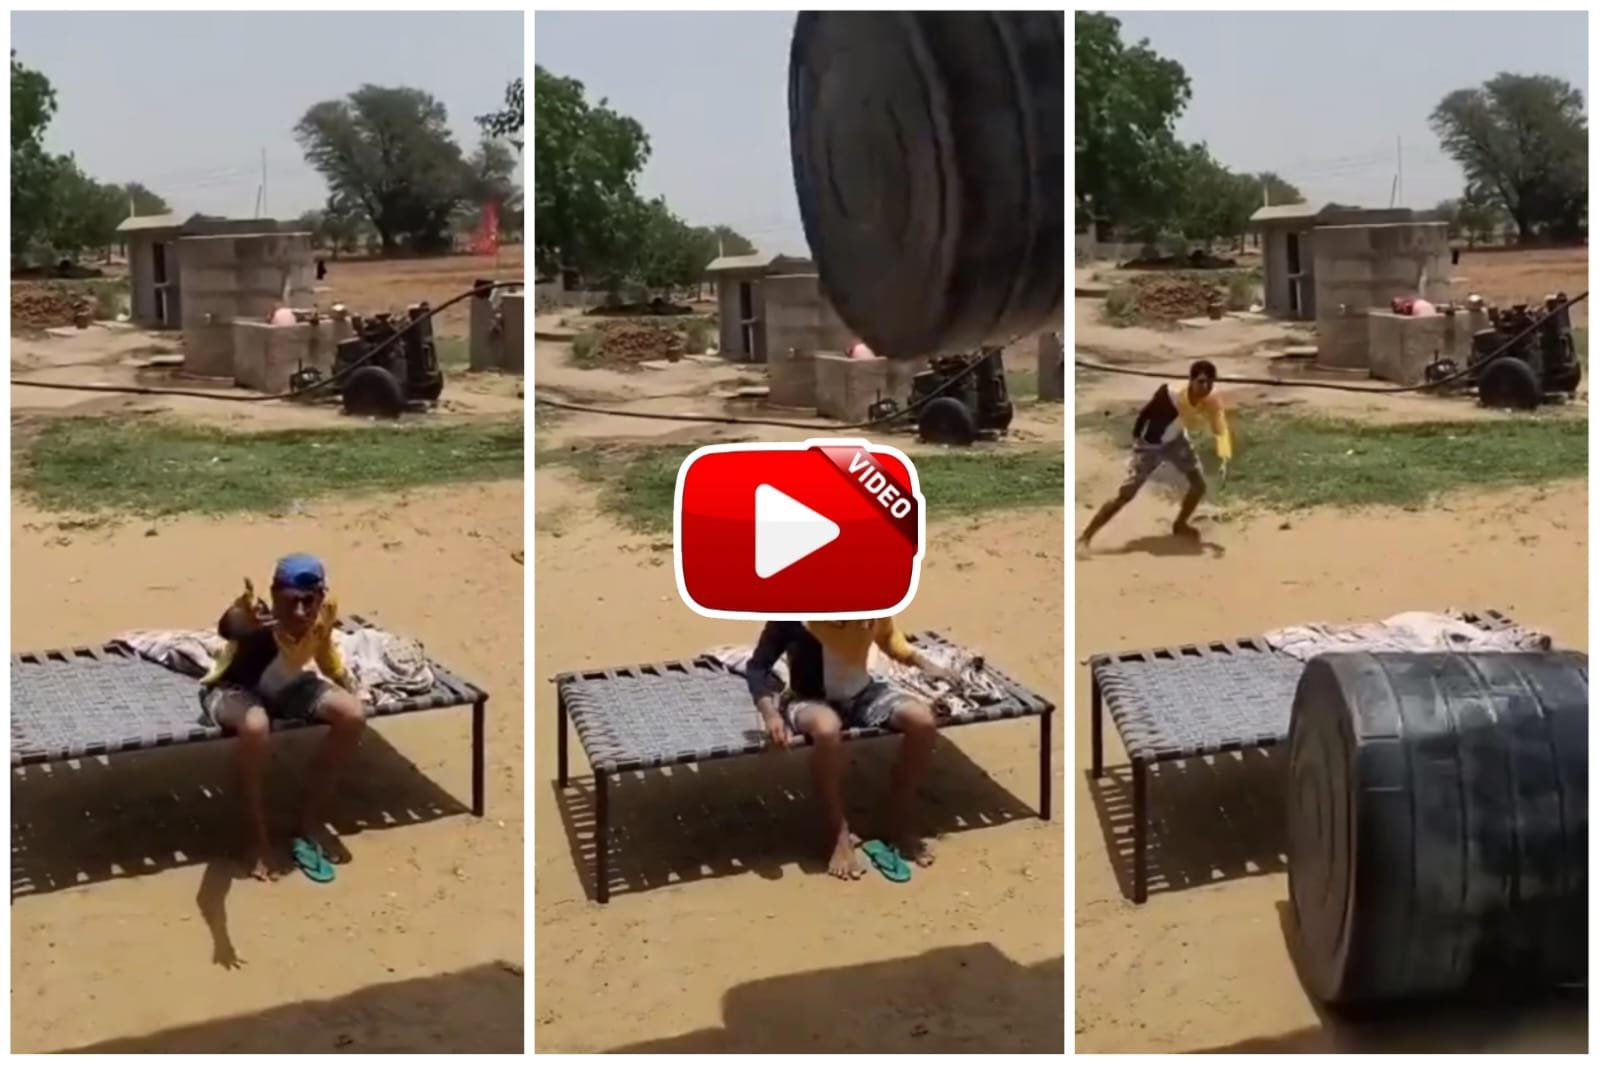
{"x":300,"y":571}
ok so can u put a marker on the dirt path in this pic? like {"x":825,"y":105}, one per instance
{"x":130,"y":930}
{"x":728,"y":936}
{"x":1203,"y":964}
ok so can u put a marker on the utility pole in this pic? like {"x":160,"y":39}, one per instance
{"x":1399,"y":156}
{"x":263,"y":185}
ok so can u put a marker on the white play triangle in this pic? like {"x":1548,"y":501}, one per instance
{"x":786,"y":531}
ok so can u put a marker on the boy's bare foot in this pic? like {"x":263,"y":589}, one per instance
{"x":258,"y":863}
{"x":1184,"y":529}
{"x":915,"y":849}
{"x":843,"y":864}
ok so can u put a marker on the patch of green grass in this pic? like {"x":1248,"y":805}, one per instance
{"x":1021,"y":383}
{"x":1241,"y":291}
{"x":638,"y":482}
{"x":112,"y":297}
{"x":152,"y":467}
{"x":1289,"y":462}
{"x":697,"y":336}
{"x":586,"y":348}
{"x":1121,"y":306}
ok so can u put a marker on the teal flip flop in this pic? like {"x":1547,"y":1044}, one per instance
{"x":312,"y":860}
{"x":888,"y":861}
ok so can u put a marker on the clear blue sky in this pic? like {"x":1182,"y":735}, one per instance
{"x":1321,"y":98}
{"x":711,"y":90}
{"x":185,"y":102}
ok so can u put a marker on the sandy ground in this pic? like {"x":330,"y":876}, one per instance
{"x":1202,"y":966}
{"x":370,"y":285}
{"x":726,"y":934}
{"x":132,"y":929}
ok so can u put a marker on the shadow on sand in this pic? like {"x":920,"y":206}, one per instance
{"x":756,"y":814}
{"x":89,"y":821}
{"x":1490,"y":1021}
{"x":476,"y":1011}
{"x":957,"y":999}
{"x":1210,"y":820}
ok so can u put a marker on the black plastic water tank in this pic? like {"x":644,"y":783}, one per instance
{"x":1438,"y":823}
{"x":929,"y":159}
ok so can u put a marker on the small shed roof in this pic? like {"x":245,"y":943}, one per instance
{"x":1300,"y":212}
{"x":758,"y":262}
{"x":136,"y":223}
{"x":199,"y":225}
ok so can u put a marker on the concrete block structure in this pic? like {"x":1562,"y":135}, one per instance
{"x":1401,"y":346}
{"x":244,"y":276}
{"x":1369,"y":252}
{"x":495,"y":331}
{"x":156,"y":251}
{"x":791,"y":378}
{"x":846,"y":388}
{"x":741,"y":301}
{"x":799,"y":315}
{"x":265,"y":356}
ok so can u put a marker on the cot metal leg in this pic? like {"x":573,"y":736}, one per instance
{"x":602,"y":838}
{"x":1140,"y":832}
{"x":477,"y":757}
{"x":560,"y":741}
{"x":1097,"y":725}
{"x":1045,"y":778}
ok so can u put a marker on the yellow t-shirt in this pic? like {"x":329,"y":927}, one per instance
{"x":846,"y":647}
{"x":1196,"y":415}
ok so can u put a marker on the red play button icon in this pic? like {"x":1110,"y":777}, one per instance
{"x":823,"y":529}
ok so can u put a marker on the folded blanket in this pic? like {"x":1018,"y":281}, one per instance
{"x":977,"y":686}
{"x":390,"y":666}
{"x":1413,"y":631}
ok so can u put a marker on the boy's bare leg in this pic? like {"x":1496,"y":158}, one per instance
{"x":1196,"y":492}
{"x":914,"y":720}
{"x":346,"y":719}
{"x":819,"y":722}
{"x":1106,"y":512}
{"x":1139,"y":467}
{"x":248,"y":722}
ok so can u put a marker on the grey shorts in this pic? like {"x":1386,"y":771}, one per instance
{"x":871,"y":707}
{"x":300,"y":701}
{"x":1148,"y":458}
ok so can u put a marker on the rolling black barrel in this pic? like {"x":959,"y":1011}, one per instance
{"x":1438,"y":823}
{"x":929,"y":159}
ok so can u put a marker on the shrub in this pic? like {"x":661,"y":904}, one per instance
{"x":1121,"y":305}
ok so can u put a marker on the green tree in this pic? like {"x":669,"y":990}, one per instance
{"x":1215,"y":203}
{"x":1479,"y":216}
{"x":85,"y":213}
{"x":1274,"y":189}
{"x":728,"y":241}
{"x":390,"y":152}
{"x":1128,"y":99}
{"x":1522,"y":141}
{"x":33,"y":170}
{"x":585,"y":162}
{"x":506,"y":122}
{"x":143,"y":201}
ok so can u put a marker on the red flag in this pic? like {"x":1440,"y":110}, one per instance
{"x":487,"y":239}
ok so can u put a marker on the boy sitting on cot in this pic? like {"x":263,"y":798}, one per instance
{"x":268,"y":672}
